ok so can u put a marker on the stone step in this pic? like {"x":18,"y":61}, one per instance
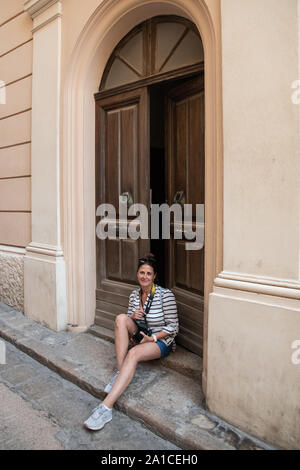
{"x":102,"y":332}
{"x":168,"y":403}
{"x":184,"y":361}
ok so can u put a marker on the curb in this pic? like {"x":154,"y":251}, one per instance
{"x":221,"y":437}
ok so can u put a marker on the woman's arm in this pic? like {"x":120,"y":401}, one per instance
{"x":150,"y":339}
{"x":130,"y":310}
{"x":170,"y":313}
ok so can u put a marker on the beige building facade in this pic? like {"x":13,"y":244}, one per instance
{"x":53,"y":57}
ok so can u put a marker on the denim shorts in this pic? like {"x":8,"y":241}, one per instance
{"x":165,"y":350}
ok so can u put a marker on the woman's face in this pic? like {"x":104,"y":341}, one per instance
{"x":146,"y":276}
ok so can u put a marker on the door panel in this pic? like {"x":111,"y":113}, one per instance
{"x":122,"y":165}
{"x":185,"y":172}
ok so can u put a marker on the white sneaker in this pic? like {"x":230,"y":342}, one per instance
{"x":99,"y":418}
{"x":110,"y":385}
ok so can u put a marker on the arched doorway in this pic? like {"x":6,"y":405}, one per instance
{"x":107,"y":25}
{"x":150,"y":146}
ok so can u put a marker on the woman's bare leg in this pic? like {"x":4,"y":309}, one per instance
{"x":139,"y":353}
{"x":124,"y":326}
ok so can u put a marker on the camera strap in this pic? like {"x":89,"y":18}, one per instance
{"x":149,"y":303}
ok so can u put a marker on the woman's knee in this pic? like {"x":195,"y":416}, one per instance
{"x":133,"y":355}
{"x":121,"y":319}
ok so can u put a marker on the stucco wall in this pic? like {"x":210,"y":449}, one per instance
{"x":254,"y":312}
{"x":15,"y":148}
{"x":15,"y":124}
{"x":261,"y":138}
{"x":252,"y":380}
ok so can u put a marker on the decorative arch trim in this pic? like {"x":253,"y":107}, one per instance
{"x":152,"y":60}
{"x":105,"y":28}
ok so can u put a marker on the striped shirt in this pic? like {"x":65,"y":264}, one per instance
{"x":162,"y":315}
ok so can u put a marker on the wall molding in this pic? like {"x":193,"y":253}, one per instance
{"x":43,"y":12}
{"x":12,"y":250}
{"x":259,"y":284}
{"x":43,"y":249}
{"x":36,"y":7}
{"x":45,"y":298}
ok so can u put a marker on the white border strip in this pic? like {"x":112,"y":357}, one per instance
{"x":12,"y":250}
{"x":298,"y":39}
{"x":298,"y":15}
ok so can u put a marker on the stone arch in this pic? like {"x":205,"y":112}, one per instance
{"x":109,"y":23}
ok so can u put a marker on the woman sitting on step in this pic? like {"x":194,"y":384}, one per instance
{"x":150,"y":307}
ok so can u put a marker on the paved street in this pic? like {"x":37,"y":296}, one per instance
{"x":41,"y":410}
{"x":165,"y":397}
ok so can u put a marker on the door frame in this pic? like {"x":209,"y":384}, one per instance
{"x":103,"y":30}
{"x":184,"y":72}
{"x":211,"y":252}
{"x":188,"y":72}
{"x":110,"y":99}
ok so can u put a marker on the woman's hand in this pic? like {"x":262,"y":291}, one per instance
{"x":138,"y":314}
{"x":146,"y":339}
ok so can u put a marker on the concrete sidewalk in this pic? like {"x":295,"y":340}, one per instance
{"x":22,"y":427}
{"x":168,"y":402}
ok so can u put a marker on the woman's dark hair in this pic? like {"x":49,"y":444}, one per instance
{"x":150,"y":260}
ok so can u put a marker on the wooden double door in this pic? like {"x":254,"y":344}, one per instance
{"x":150,"y":148}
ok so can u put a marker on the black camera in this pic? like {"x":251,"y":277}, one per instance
{"x":142,"y":324}
{"x":137,"y":337}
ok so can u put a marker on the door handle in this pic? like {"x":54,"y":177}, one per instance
{"x":126,"y":198}
{"x":179,"y":198}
